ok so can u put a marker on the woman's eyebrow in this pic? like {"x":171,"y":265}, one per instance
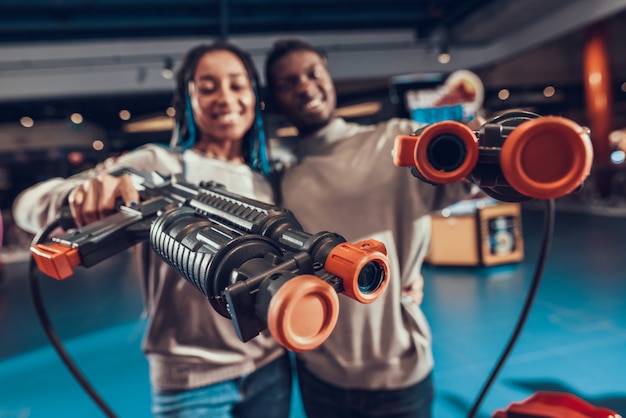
{"x":202,"y":77}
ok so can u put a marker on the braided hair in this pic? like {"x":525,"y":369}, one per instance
{"x":254,"y":148}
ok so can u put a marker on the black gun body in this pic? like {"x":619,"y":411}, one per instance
{"x":236,"y":251}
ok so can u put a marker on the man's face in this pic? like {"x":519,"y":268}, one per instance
{"x":304,"y":90}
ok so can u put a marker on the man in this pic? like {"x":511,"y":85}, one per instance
{"x":378,"y":361}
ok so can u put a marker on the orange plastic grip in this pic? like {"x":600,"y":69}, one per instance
{"x":303,"y":313}
{"x":347,"y":260}
{"x":56,"y":260}
{"x":547,"y":157}
{"x":411,"y":150}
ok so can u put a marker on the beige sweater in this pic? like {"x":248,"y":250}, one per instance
{"x":187,"y":343}
{"x":345,"y":182}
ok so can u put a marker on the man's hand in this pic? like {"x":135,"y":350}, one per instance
{"x":476,"y":122}
{"x":415,"y":292}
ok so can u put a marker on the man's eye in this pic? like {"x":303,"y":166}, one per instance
{"x":315,"y":74}
{"x":285,"y":86}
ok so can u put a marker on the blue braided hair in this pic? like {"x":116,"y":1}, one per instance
{"x":260,"y":156}
{"x":190,"y":140}
{"x":255,"y":149}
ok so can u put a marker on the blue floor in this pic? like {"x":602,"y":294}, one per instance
{"x":574,"y":339}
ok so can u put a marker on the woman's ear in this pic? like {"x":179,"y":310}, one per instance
{"x":191,"y":88}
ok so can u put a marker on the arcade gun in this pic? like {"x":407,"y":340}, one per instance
{"x":515,"y":157}
{"x":252,"y":260}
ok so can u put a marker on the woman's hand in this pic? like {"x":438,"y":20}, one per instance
{"x":96,"y":198}
{"x":415,"y":292}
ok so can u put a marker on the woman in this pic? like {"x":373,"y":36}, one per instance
{"x":198,"y":366}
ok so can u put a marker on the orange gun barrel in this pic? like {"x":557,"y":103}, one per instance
{"x":547,"y":157}
{"x":303,"y":313}
{"x":364,"y":268}
{"x":443,"y":152}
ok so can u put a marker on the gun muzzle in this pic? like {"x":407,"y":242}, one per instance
{"x":299,"y":308}
{"x":443,"y":152}
{"x":547,"y":157}
{"x":515,"y":157}
{"x":363,"y":267}
{"x":302,"y":312}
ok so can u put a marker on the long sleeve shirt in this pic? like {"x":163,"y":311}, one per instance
{"x":345,"y":182}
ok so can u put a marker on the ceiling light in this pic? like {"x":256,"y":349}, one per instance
{"x":27,"y":122}
{"x":155,"y":124}
{"x":124,"y":114}
{"x":98,"y":144}
{"x":76,"y":118}
{"x":549,"y":91}
{"x":168,"y":68}
{"x":444,"y":54}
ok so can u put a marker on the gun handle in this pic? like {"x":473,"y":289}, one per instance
{"x":56,"y":260}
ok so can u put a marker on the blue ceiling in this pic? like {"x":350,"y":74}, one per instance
{"x":54,"y":20}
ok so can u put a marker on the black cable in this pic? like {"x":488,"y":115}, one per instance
{"x":543,"y":255}
{"x":49,"y":330}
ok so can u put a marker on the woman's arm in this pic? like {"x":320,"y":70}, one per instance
{"x":38,"y":205}
{"x":93,"y":194}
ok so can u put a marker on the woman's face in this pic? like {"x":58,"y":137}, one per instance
{"x":222,"y":98}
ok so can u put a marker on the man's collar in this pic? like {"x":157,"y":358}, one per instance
{"x":335,"y":131}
